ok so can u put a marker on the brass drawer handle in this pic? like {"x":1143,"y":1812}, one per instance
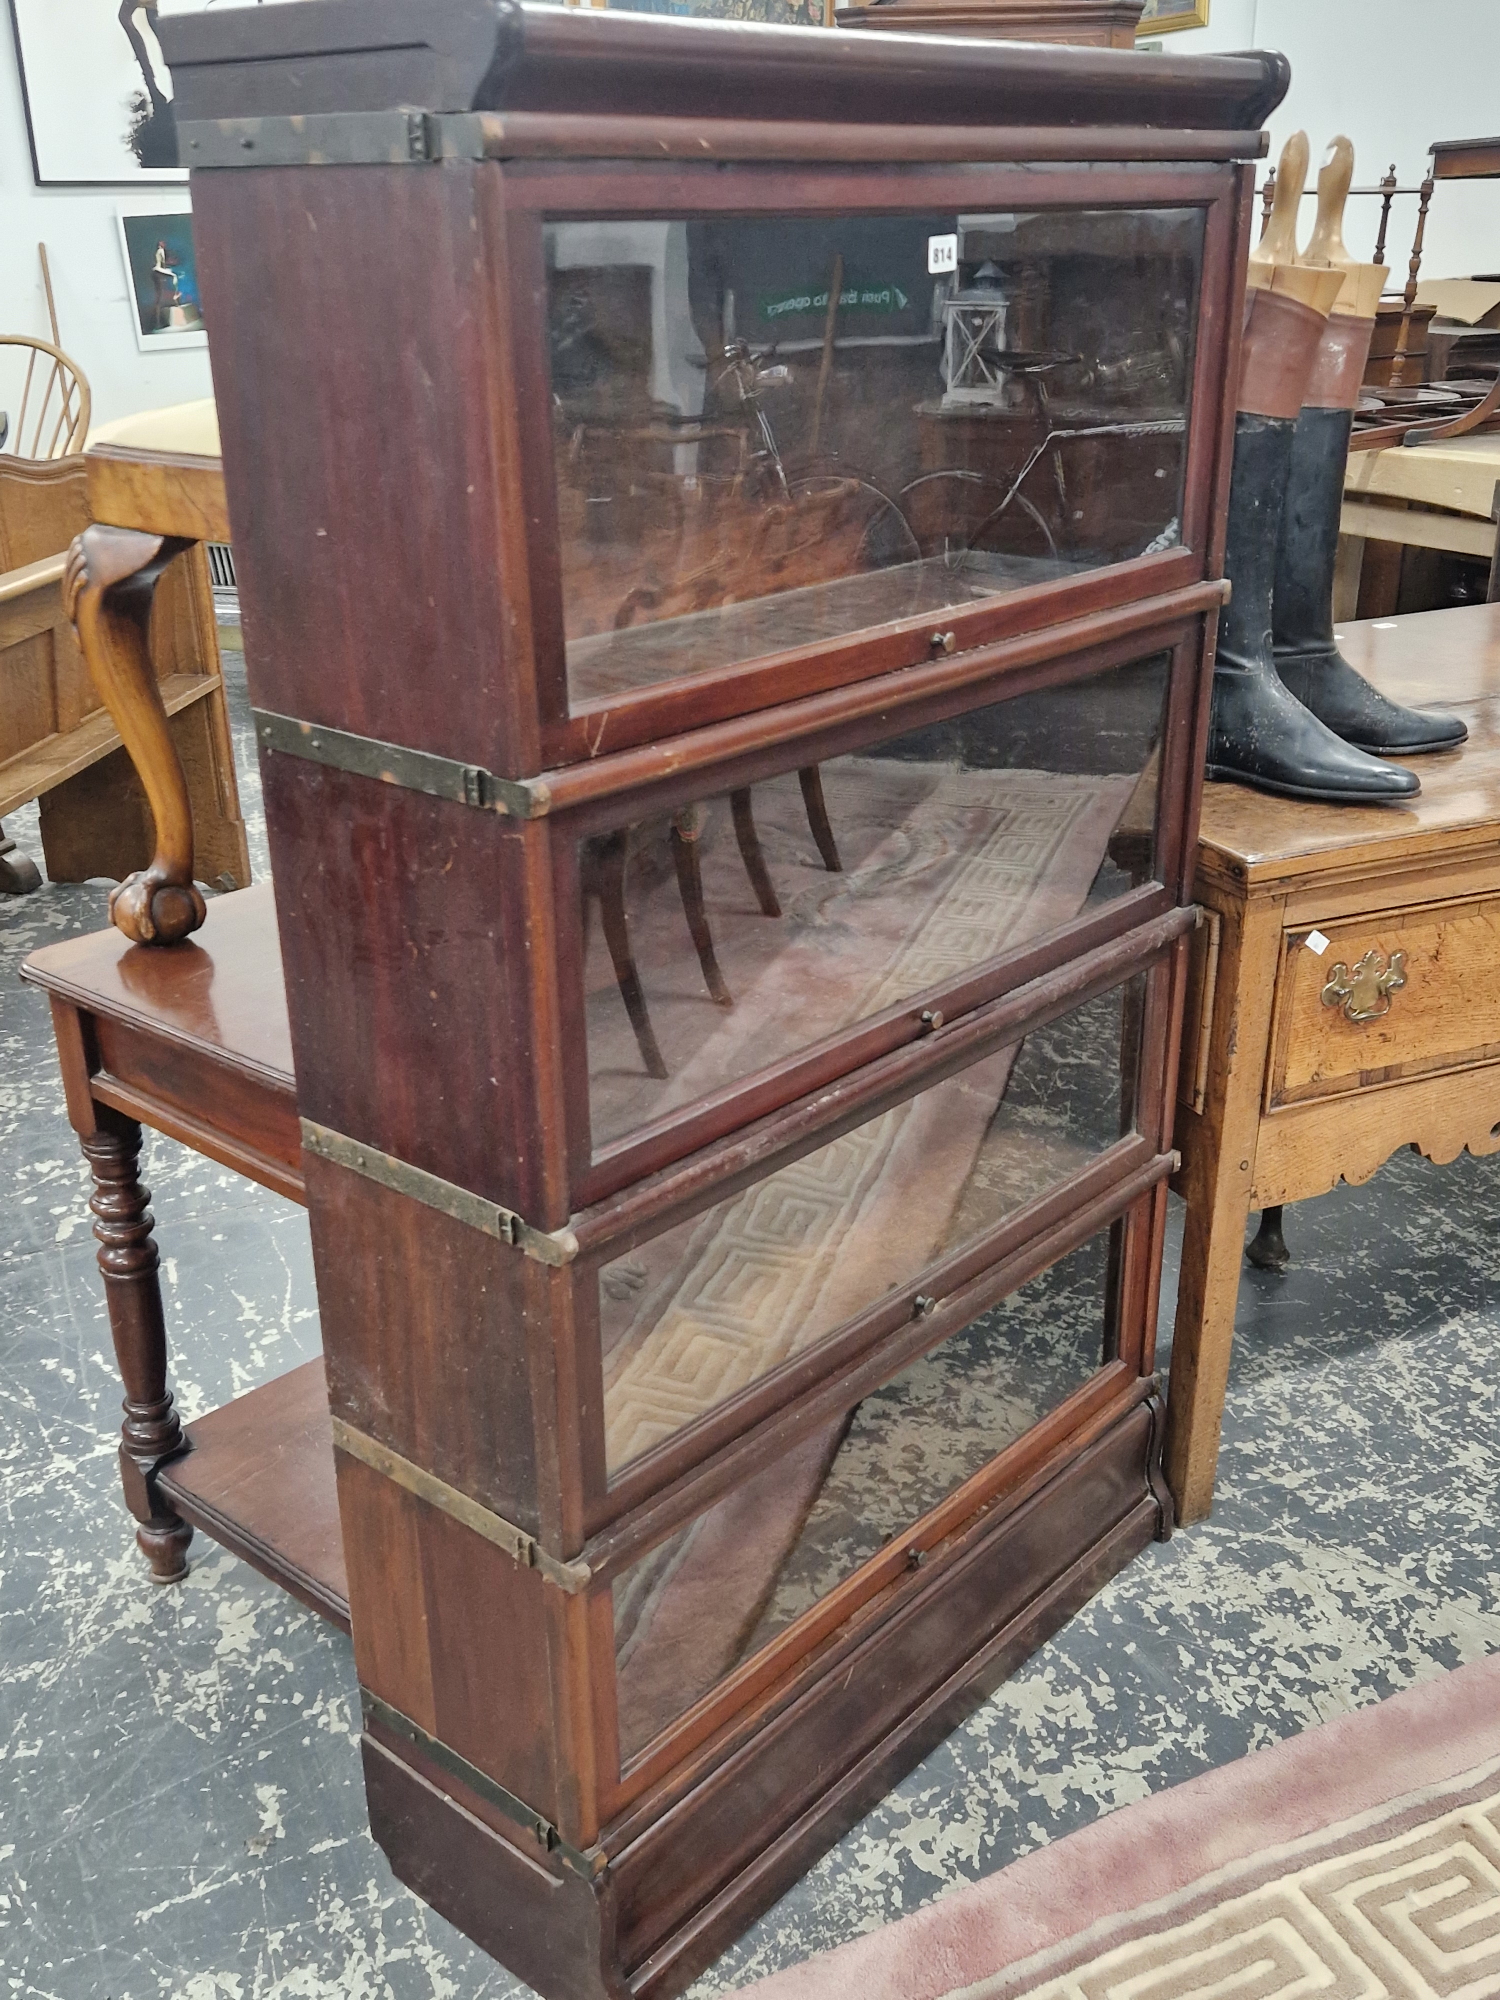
{"x":1365,"y":993}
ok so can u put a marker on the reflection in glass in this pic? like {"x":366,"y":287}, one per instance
{"x":772,"y":433}
{"x":724,"y":938}
{"x":693,"y":1316}
{"x":697,"y":1606}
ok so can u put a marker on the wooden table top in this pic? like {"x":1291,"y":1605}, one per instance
{"x":220,"y":992}
{"x":1447,"y":659}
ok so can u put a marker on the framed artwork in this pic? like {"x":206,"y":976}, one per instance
{"x":1165,"y":17}
{"x":98,"y":94}
{"x":161,"y":276}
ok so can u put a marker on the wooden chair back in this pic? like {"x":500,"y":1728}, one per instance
{"x":44,"y":400}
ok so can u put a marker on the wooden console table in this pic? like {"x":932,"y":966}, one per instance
{"x":1305,"y":1062}
{"x":195,"y":1043}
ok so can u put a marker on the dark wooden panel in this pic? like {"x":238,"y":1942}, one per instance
{"x":416,"y":636}
{"x":425,"y":1336}
{"x":546,"y":1928}
{"x":419,"y":983}
{"x":259,"y":1479}
{"x":157,"y":1078}
{"x":453,"y":1633}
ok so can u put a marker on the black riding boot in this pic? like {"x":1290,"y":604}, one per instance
{"x":1258,"y":731}
{"x":1306,"y":657}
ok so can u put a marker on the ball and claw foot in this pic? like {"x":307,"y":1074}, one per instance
{"x":1268,"y":1251}
{"x":153,"y":911}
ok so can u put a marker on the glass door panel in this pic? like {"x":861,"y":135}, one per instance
{"x":708,"y":1599}
{"x":699,"y":1313}
{"x":740,"y":931}
{"x":770,"y":434}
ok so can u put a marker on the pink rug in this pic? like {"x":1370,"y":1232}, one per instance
{"x":1358,"y":1861}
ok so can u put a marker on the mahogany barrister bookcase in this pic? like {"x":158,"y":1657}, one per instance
{"x":726,"y":520}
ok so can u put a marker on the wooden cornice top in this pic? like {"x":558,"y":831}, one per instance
{"x":308,"y":57}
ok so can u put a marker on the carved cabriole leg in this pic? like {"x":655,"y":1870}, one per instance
{"x":111,"y":580}
{"x":127,"y":1256}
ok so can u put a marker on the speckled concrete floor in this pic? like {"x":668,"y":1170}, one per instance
{"x":181,"y":1814}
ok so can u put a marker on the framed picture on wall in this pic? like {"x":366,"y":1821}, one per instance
{"x":1165,"y":17}
{"x":161,"y":275}
{"x":98,"y":94}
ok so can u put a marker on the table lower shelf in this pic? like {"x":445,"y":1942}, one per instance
{"x":260,"y":1480}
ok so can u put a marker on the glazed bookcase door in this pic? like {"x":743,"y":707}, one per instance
{"x":786,"y":452}
{"x":745,"y":942}
{"x":829,"y":1534}
{"x":706,"y":1314}
{"x":775,"y":433}
{"x":862,"y":1233}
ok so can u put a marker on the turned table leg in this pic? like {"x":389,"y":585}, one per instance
{"x":109,"y":587}
{"x":152,"y":1431}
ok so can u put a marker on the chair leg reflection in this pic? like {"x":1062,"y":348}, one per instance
{"x":604,"y":878}
{"x":751,"y":855}
{"x":811,"y":781}
{"x":687,"y":831}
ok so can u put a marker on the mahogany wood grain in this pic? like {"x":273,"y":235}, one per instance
{"x":258,"y":1477}
{"x":152,"y":1431}
{"x":349,"y":625}
{"x":468,"y":895}
{"x":366,"y":54}
{"x":406,"y":1338}
{"x":520,"y":135}
{"x":192,"y":1041}
{"x":396,"y":522}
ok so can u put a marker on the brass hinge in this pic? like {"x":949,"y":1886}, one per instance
{"x":557,"y":1247}
{"x":523,"y":1549}
{"x":391,"y":764}
{"x":585,"y":1862}
{"x":332,"y":139}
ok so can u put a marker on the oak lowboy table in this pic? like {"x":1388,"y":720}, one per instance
{"x":721,"y":777}
{"x":1345,"y":999}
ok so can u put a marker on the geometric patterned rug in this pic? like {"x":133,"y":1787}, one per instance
{"x":1358,"y":1861}
{"x":1402,"y":1901}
